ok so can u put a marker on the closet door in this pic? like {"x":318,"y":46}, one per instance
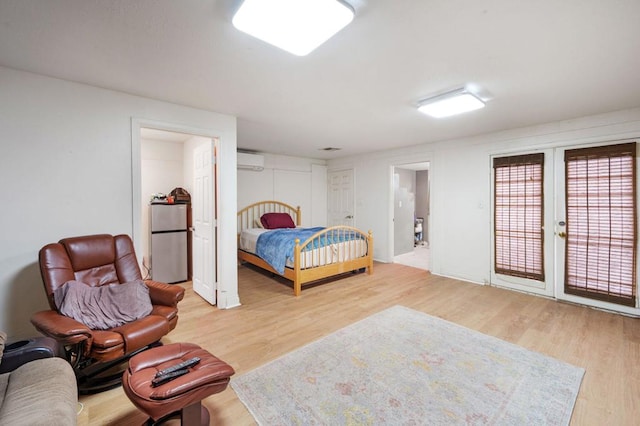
{"x":341,"y":209}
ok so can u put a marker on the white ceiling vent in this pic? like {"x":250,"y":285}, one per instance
{"x":248,"y":161}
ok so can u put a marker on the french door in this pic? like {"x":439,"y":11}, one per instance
{"x":522,"y":231}
{"x":596,"y":226}
{"x":581,"y":245}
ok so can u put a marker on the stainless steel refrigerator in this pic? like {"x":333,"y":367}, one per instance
{"x":168,"y":224}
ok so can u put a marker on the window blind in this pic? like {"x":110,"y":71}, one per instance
{"x":518,"y":216}
{"x":600,"y":249}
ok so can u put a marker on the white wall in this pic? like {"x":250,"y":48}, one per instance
{"x":66,"y":166}
{"x":319,"y":194}
{"x":292,"y":180}
{"x":460,"y":186}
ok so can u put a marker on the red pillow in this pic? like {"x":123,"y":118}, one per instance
{"x":277,"y":220}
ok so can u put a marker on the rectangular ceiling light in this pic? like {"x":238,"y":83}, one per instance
{"x":297,"y":26}
{"x":450,"y":103}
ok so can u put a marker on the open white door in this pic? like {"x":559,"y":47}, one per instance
{"x":341,"y":200}
{"x":204,"y":222}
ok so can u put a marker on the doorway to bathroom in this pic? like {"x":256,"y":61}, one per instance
{"x":411,"y":214}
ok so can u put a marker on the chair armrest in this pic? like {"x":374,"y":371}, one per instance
{"x":65,"y":330}
{"x":164,"y":294}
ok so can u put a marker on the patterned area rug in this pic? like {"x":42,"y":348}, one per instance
{"x":404,"y":367}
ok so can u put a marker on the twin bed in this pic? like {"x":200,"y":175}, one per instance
{"x":270,"y":237}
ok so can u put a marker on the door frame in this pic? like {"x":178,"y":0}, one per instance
{"x":228,"y":278}
{"x":391,"y":203}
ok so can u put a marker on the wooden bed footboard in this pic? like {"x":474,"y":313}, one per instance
{"x":329,"y":252}
{"x":332,"y":251}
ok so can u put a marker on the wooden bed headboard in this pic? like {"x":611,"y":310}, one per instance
{"x":248,"y":215}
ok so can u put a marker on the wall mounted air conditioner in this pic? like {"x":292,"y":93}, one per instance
{"x":247,"y":161}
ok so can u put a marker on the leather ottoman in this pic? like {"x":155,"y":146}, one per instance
{"x":182,"y":395}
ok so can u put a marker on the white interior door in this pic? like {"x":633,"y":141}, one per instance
{"x":204,"y":222}
{"x":341,"y":198}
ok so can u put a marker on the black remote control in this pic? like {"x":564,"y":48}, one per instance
{"x":184,"y":364}
{"x":168,"y":377}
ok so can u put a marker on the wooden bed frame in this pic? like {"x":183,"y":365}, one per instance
{"x":302,"y":274}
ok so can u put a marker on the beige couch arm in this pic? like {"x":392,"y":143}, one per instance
{"x":43,"y":391}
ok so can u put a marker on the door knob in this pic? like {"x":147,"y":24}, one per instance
{"x":562,"y":234}
{"x":349,"y":217}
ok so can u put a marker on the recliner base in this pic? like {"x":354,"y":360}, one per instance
{"x":94,"y":377}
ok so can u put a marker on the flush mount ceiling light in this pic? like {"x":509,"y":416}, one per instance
{"x":297,"y":26}
{"x":450,"y":103}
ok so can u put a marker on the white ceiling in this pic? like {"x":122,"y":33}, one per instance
{"x":540,"y":61}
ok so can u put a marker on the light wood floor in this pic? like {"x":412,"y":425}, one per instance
{"x":272,"y":322}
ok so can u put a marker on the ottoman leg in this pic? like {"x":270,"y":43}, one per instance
{"x":195,"y":415}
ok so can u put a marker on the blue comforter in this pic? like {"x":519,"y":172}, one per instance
{"x":276,"y":246}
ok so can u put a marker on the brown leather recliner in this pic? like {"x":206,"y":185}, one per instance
{"x":98,"y":260}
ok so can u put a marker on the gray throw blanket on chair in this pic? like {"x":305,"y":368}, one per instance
{"x":104,"y":307}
